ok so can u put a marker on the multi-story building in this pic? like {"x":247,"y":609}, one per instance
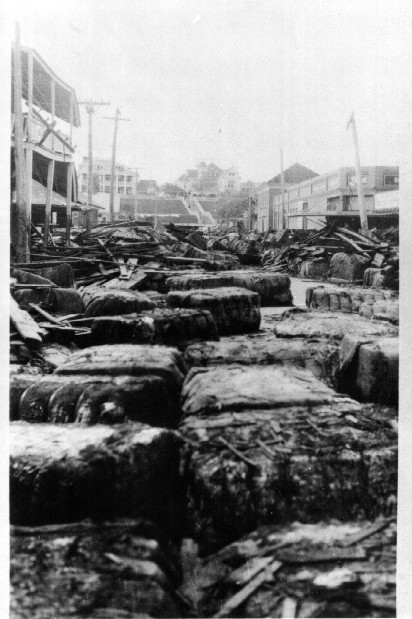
{"x":125,"y":178}
{"x":229,"y":180}
{"x":307,"y":204}
{"x":267,"y":191}
{"x":209,"y":179}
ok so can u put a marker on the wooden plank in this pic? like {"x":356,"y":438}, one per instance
{"x":237,"y":453}
{"x":241,"y":596}
{"x":45,"y":314}
{"x":354,"y":245}
{"x":49,"y":191}
{"x":69,"y":202}
{"x":324,"y":556}
{"x":28,"y":329}
{"x":243,"y":574}
{"x":367,"y":532}
{"x":356,"y":235}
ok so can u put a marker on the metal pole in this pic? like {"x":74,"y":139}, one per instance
{"x":361,"y":195}
{"x":282,"y":189}
{"x":90,"y":112}
{"x":22,"y":225}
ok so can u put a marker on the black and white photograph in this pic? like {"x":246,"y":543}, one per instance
{"x":207,"y":340}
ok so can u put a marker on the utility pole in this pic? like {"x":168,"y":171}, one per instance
{"x":282,"y":189}
{"x":90,"y":111}
{"x":112,"y":177}
{"x":135,"y":190}
{"x":23,"y":210}
{"x":361,"y":195}
{"x":250,"y":212}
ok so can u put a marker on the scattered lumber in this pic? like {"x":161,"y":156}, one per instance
{"x":28,"y":329}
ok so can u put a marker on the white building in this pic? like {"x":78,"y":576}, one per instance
{"x":125,"y":178}
{"x":229,"y":180}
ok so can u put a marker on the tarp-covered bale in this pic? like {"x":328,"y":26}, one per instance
{"x":386,"y":310}
{"x":128,"y":359}
{"x":320,"y":357}
{"x":171,"y":327}
{"x":62,"y":300}
{"x":17,"y":386}
{"x":208,"y":391}
{"x":348,"y":266}
{"x":116,"y":570}
{"x":331,"y":325}
{"x":273,"y":288}
{"x":328,"y":569}
{"x":385,"y":277}
{"x":370,"y":368}
{"x":111,"y":302}
{"x":280,"y":458}
{"x":63,"y":473}
{"x":235,"y":310}
{"x":314,"y":268}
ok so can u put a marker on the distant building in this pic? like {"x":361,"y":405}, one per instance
{"x":266,"y":219}
{"x":334,"y":195}
{"x":229,"y":180}
{"x":209,"y":179}
{"x":147,"y":187}
{"x":125,"y":178}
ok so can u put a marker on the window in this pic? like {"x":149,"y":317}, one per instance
{"x":120,"y":178}
{"x":107,"y":189}
{"x":129,"y":191}
{"x":107,"y":177}
{"x":129,"y":179}
{"x":120,"y":190}
{"x":390,"y":180}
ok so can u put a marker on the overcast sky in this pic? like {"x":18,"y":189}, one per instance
{"x":232,"y":81}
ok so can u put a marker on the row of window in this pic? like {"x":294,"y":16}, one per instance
{"x":120,"y":190}
{"x":107,"y":177}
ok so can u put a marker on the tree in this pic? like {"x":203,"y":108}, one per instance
{"x":173,"y":190}
{"x":233,"y":206}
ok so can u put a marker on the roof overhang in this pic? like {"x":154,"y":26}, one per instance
{"x":66,"y":106}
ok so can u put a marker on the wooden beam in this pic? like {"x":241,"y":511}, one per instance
{"x":53,"y":105}
{"x":69,"y":202}
{"x":49,"y":194}
{"x":29,"y":330}
{"x":29,"y":143}
{"x":21,"y":228}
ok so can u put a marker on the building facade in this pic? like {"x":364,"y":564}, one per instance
{"x":307,"y":204}
{"x":125,"y":178}
{"x":209,"y":179}
{"x":266,"y":193}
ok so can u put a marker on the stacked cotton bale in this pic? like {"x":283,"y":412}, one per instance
{"x":176,"y":327}
{"x":273,"y":288}
{"x":109,"y":302}
{"x":350,"y":267}
{"x":370,"y":368}
{"x":331,"y":326}
{"x":352,"y":300}
{"x":235,"y":310}
{"x":320,"y":357}
{"x":271,"y":443}
{"x":106,"y":384}
{"x":108,"y":570}
{"x":65,"y":473}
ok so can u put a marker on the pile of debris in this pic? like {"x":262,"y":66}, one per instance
{"x":340,"y":255}
{"x":328,"y":569}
